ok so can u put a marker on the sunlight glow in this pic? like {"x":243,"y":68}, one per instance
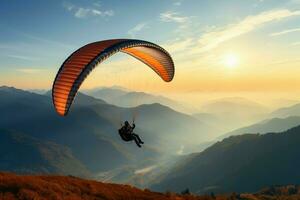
{"x":231,"y":60}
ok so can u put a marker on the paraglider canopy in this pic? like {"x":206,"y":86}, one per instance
{"x":79,"y":64}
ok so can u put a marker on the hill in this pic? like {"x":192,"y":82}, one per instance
{"x":21,"y":153}
{"x":266,"y":126}
{"x":233,"y":112}
{"x":39,"y":120}
{"x":108,"y":94}
{"x":293,"y":110}
{"x":242,"y":163}
{"x":125,"y":98}
{"x":60,"y":187}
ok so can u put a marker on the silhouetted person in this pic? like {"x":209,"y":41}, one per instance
{"x":126,"y":133}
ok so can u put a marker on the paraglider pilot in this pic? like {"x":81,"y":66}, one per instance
{"x":126,"y":133}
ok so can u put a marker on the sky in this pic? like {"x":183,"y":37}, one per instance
{"x":218,"y":46}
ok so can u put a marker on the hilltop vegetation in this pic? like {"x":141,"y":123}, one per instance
{"x":67,"y":187}
{"x":63,"y":187}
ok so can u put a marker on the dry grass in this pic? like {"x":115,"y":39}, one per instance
{"x":71,"y":188}
{"x":62,"y":187}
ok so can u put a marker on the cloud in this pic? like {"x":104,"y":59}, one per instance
{"x":22,"y":57}
{"x":44,"y":40}
{"x":171,"y":16}
{"x":6,"y":46}
{"x":82,"y":12}
{"x":178,"y":45}
{"x":285,"y":32}
{"x":68,"y":6}
{"x":29,"y":70}
{"x":180,"y":150}
{"x":97,"y":4}
{"x":213,"y":39}
{"x":195,"y":48}
{"x":177,"y":2}
{"x":184,"y":23}
{"x":294,"y":2}
{"x":132,"y":32}
{"x":145,"y":170}
{"x":85,"y":12}
{"x":296,"y":44}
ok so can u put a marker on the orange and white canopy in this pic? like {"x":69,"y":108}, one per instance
{"x":80,"y":63}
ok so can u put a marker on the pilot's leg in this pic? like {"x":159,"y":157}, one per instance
{"x":138,"y":138}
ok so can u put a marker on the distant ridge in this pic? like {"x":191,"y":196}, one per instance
{"x":293,"y":110}
{"x":266,"y":126}
{"x":123,"y":97}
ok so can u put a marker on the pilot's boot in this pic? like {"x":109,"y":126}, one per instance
{"x":137,"y":142}
{"x":138,"y":138}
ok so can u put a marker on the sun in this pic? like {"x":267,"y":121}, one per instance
{"x":231,"y":60}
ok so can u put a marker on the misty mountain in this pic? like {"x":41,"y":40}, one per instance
{"x":174,"y":122}
{"x":238,"y":163}
{"x":235,"y":112}
{"x":226,"y":105}
{"x":293,"y":110}
{"x":108,"y":94}
{"x":266,"y":126}
{"x":90,"y":129}
{"x":206,"y":117}
{"x":24,"y":154}
{"x":38,"y":91}
{"x":211,"y":119}
{"x":83,"y":131}
{"x":82,"y":99}
{"x":283,"y":102}
{"x":125,"y":98}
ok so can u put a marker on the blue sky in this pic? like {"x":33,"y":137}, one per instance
{"x":37,"y":35}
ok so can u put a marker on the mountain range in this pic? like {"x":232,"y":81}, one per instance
{"x":225,"y":114}
{"x":23,"y":154}
{"x":123,"y":97}
{"x":88,"y":135}
{"x":266,"y":126}
{"x":34,"y":139}
{"x":241,"y":163}
{"x":232,"y":112}
{"x":293,"y":110}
